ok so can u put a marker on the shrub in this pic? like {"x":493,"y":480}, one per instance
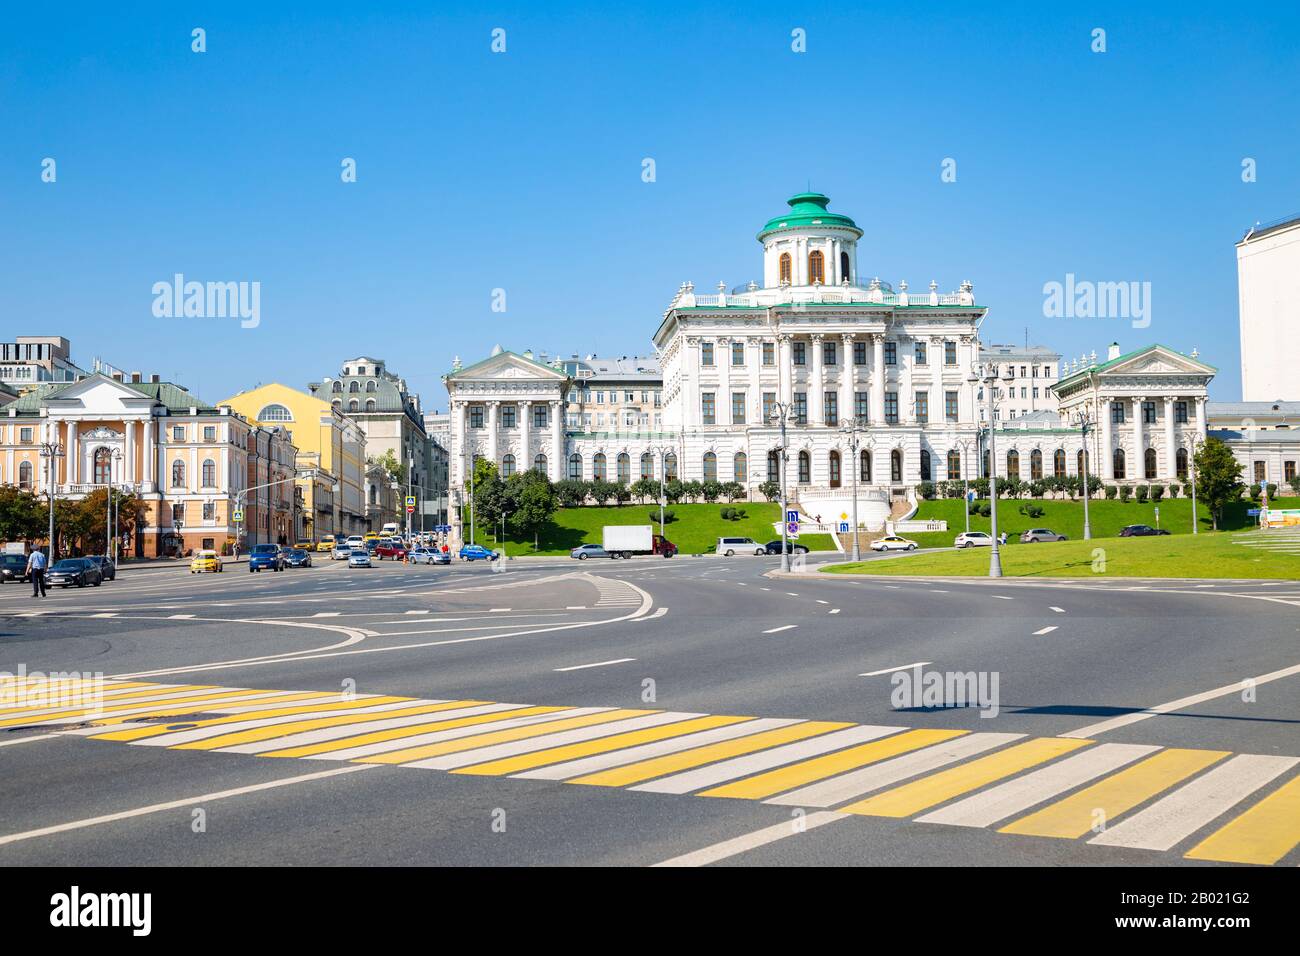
{"x":1295,"y":484}
{"x":571,"y":491}
{"x":770,"y":489}
{"x":1110,"y":492}
{"x":711,"y":490}
{"x":1142,"y":492}
{"x":1125,"y":492}
{"x":1031,"y":510}
{"x":669,"y":517}
{"x":1037,"y":488}
{"x":1157,"y":492}
{"x":1174,"y":488}
{"x":926,"y":490}
{"x":733,"y":490}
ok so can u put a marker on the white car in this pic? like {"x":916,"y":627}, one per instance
{"x":340,"y":552}
{"x":729,"y":546}
{"x":892,"y":542}
{"x":973,"y":539}
{"x":359,"y":558}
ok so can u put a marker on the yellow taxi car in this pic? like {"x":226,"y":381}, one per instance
{"x":326,"y":543}
{"x":305,"y":546}
{"x":372,"y":535}
{"x":205,"y":561}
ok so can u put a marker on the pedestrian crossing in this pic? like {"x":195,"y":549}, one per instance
{"x":1285,"y":540}
{"x":1205,"y":804}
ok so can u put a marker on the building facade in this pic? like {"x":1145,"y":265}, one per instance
{"x":1032,"y":371}
{"x":32,"y":360}
{"x":1268,"y":291}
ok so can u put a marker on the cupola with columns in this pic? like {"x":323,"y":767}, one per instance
{"x":809,"y":245}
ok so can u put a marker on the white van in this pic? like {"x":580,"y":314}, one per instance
{"x":729,"y":546}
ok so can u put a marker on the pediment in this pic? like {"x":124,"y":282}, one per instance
{"x":508,"y":366}
{"x":99,"y":393}
{"x":1160,"y":361}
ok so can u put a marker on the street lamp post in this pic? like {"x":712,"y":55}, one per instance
{"x":851,"y":427}
{"x":1191,"y":471}
{"x":990,"y":377}
{"x":780,"y":413}
{"x":51,"y":451}
{"x":1085,"y":423}
{"x":965,"y":445}
{"x":663,"y":458}
{"x":243,"y":492}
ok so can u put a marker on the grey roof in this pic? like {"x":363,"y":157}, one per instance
{"x":629,"y":368}
{"x":1263,"y":229}
{"x":1036,"y":353}
{"x":1287,"y":436}
{"x":1252,"y":409}
{"x":174,"y":397}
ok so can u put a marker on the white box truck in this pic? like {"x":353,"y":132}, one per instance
{"x":625,"y":540}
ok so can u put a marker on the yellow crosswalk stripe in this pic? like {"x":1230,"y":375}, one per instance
{"x":912,"y":798}
{"x":539,"y":758}
{"x":670,"y":763}
{"x":139,"y":733}
{"x":828,"y":765}
{"x":188,"y":705}
{"x":1263,"y":834}
{"x":175,"y":710}
{"x":317,"y":723}
{"x":57,"y":696}
{"x":412,"y":730}
{"x":1077,"y":814}
{"x":500,"y":736}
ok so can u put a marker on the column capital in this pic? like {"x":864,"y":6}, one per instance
{"x":817,"y":336}
{"x":847,"y":337}
{"x":877,"y":337}
{"x":784,"y":337}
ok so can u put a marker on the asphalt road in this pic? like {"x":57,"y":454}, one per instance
{"x":411,"y":699}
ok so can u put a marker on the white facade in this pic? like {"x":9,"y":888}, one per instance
{"x":1033,"y":373}
{"x":1268,"y":289}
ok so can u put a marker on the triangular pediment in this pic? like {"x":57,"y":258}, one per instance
{"x":1158,"y":360}
{"x":99,"y":393}
{"x":508,"y":366}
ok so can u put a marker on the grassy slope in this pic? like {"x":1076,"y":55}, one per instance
{"x":695,"y":531}
{"x":1182,"y":556}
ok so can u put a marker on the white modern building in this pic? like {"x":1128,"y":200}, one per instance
{"x":1268,"y":290}
{"x":1032,"y":370}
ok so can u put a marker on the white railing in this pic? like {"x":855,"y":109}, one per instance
{"x":687,"y":297}
{"x":918,"y":525}
{"x":86,"y":488}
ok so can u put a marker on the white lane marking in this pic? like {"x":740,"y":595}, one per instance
{"x":1002,"y":597}
{"x":988,"y":807}
{"x":718,"y":773}
{"x":900,"y":667}
{"x":1187,"y":809}
{"x":785,"y":627}
{"x":179,"y":617}
{"x":742,"y":584}
{"x":576,"y":607}
{"x":326,"y":614}
{"x":833,"y":610}
{"x":765,"y":589}
{"x":1046,"y":630}
{"x":937,"y":591}
{"x":417,"y":612}
{"x":894,"y":587}
{"x":497,"y":610}
{"x":820,"y":601}
{"x":105,"y":614}
{"x":656,"y":614}
{"x":27,"y":740}
{"x":176,"y":804}
{"x":790,"y":594}
{"x":1123,"y":720}
{"x":851,"y":785}
{"x":583,"y":667}
{"x":1058,"y":610}
{"x":750,"y":841}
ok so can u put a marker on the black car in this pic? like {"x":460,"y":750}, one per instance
{"x":13,"y":567}
{"x":107,"y":569}
{"x":78,"y":571}
{"x":774,"y":547}
{"x":297,"y":558}
{"x":1140,"y":531}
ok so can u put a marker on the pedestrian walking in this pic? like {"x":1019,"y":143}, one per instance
{"x":36,"y":564}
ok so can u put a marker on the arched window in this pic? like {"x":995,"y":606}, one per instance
{"x":370,"y":404}
{"x":1058,"y":463}
{"x":338,"y":387}
{"x":710,"y":466}
{"x":372,"y":386}
{"x":274,"y":413}
{"x":352,"y":405}
{"x":895,"y":465}
{"x":984,"y":464}
{"x":670,"y":467}
{"x":647,"y":465}
{"x":740,"y":467}
{"x":374,"y":494}
{"x":954,"y":465}
{"x":178,"y":474}
{"x":624,"y":468}
{"x":844,"y":266}
{"x":784,"y":268}
{"x":926,"y":472}
{"x":835,"y":469}
{"x":507,"y":466}
{"x":598,"y":467}
{"x":1013,"y":464}
{"x":209,"y":473}
{"x":864,"y":466}
{"x":539,"y":464}
{"x":25,"y":475}
{"x":1035,"y":465}
{"x":816,"y":268}
{"x":773,"y":465}
{"x":805,"y":468}
{"x":1180,"y":463}
{"x":103,"y":466}
{"x":1119,"y":463}
{"x":337,"y":403}
{"x":1079,"y":463}
{"x":354,"y":387}
{"x":575,"y":466}
{"x":1149,"y":462}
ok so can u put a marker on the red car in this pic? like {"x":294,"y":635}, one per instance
{"x":390,"y":549}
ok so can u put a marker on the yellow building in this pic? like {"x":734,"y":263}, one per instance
{"x":329,"y":443}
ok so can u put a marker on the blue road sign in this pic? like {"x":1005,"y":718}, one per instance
{"x":1252,"y":512}
{"x":844,"y":527}
{"x":792,"y":517}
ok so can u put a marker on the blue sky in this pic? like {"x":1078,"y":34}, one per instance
{"x":522,"y":170}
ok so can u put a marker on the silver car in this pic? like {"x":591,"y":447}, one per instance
{"x":1041,"y":534}
{"x":359,"y":558}
{"x":340,"y":552}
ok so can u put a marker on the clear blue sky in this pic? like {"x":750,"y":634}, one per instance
{"x":522,"y":171}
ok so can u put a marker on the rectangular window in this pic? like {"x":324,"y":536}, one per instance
{"x":178,"y":433}
{"x":1033,"y":371}
{"x":950,"y":406}
{"x":828,"y":353}
{"x":658,"y":398}
{"x":769,"y":399}
{"x":1180,"y":412}
{"x":831,"y":408}
{"x":737,"y":353}
{"x":507,"y":416}
{"x":1288,"y":471}
{"x":949,"y":353}
{"x":919,"y":353}
{"x":708,"y":413}
{"x":178,"y":513}
{"x":859,"y":353}
{"x":922,"y":407}
{"x":25,"y":436}
{"x":1259,"y":472}
{"x":891,"y":408}
{"x":209,"y":511}
{"x":800,"y":353}
{"x":1148,"y":413}
{"x":600,"y":396}
{"x":539,"y":416}
{"x":860,"y":406}
{"x":891,"y":353}
{"x":209,"y":433}
{"x":801,"y":408}
{"x":476,"y":416}
{"x":769,"y":353}
{"x":1116,"y":413}
{"x":737,"y":408}
{"x":706,"y":353}
{"x":1035,"y":393}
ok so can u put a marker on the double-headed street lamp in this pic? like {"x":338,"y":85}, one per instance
{"x":989,"y":375}
{"x":965,"y":445}
{"x":663,"y":451}
{"x":51,"y":451}
{"x":1084,"y":421}
{"x":780,"y":413}
{"x":852,"y":427}
{"x":1192,"y":441}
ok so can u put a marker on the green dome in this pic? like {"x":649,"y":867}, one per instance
{"x":808,"y":209}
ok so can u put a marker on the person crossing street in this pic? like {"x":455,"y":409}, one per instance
{"x":36,"y":564}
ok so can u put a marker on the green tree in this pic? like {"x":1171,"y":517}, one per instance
{"x":531,"y":502}
{"x":572,"y":492}
{"x":601,"y":490}
{"x":644,"y":488}
{"x":489,"y":493}
{"x":1218,"y":478}
{"x":770,"y":489}
{"x":397,"y":469}
{"x":23,"y":515}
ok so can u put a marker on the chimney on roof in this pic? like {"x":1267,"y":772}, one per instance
{"x":1113,"y":352}
{"x":117,"y":376}
{"x":135,"y":377}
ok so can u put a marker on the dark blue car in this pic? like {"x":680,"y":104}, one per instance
{"x":269,"y":556}
{"x":472,"y":552}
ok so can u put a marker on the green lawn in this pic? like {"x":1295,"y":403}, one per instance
{"x":1177,"y":556}
{"x":695,"y":530}
{"x":1066,"y":517}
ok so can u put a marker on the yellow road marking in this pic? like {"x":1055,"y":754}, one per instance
{"x":56,"y":692}
{"x":819,"y":768}
{"x":173,"y":710}
{"x":602,"y":745}
{"x":1077,"y":814}
{"x":138,"y":733}
{"x":912,"y":798}
{"x":413,"y":730}
{"x":500,"y":736}
{"x":670,"y":763}
{"x":1263,"y":834}
{"x":146,"y":707}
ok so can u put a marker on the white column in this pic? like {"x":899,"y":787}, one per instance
{"x":1171,"y":450}
{"x":877,"y":382}
{"x":525,"y":456}
{"x":1202,"y":425}
{"x":558,"y":464}
{"x":785,"y":369}
{"x":816,"y":413}
{"x":494,"y":428}
{"x":74,"y":454}
{"x":846,"y":373}
{"x":456,"y":460}
{"x":722,"y":355}
{"x":907,"y":358}
{"x":1107,"y":463}
{"x":128,"y":463}
{"x":1138,"y":469}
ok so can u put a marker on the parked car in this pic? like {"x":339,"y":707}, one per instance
{"x":106,"y":566}
{"x":1140,"y":531}
{"x":440,"y":556}
{"x":326,"y":543}
{"x":359,"y":558}
{"x":13,"y":567}
{"x":1034,"y":535}
{"x":419,"y":555}
{"x":584,"y":551}
{"x":473,"y":552}
{"x":729,"y":546}
{"x":205,"y":561}
{"x":774,"y":547}
{"x":78,"y":571}
{"x":388,"y":548}
{"x":266,"y":556}
{"x":892,"y":542}
{"x":340,"y":552}
{"x":297,"y":558}
{"x":973,"y":539}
